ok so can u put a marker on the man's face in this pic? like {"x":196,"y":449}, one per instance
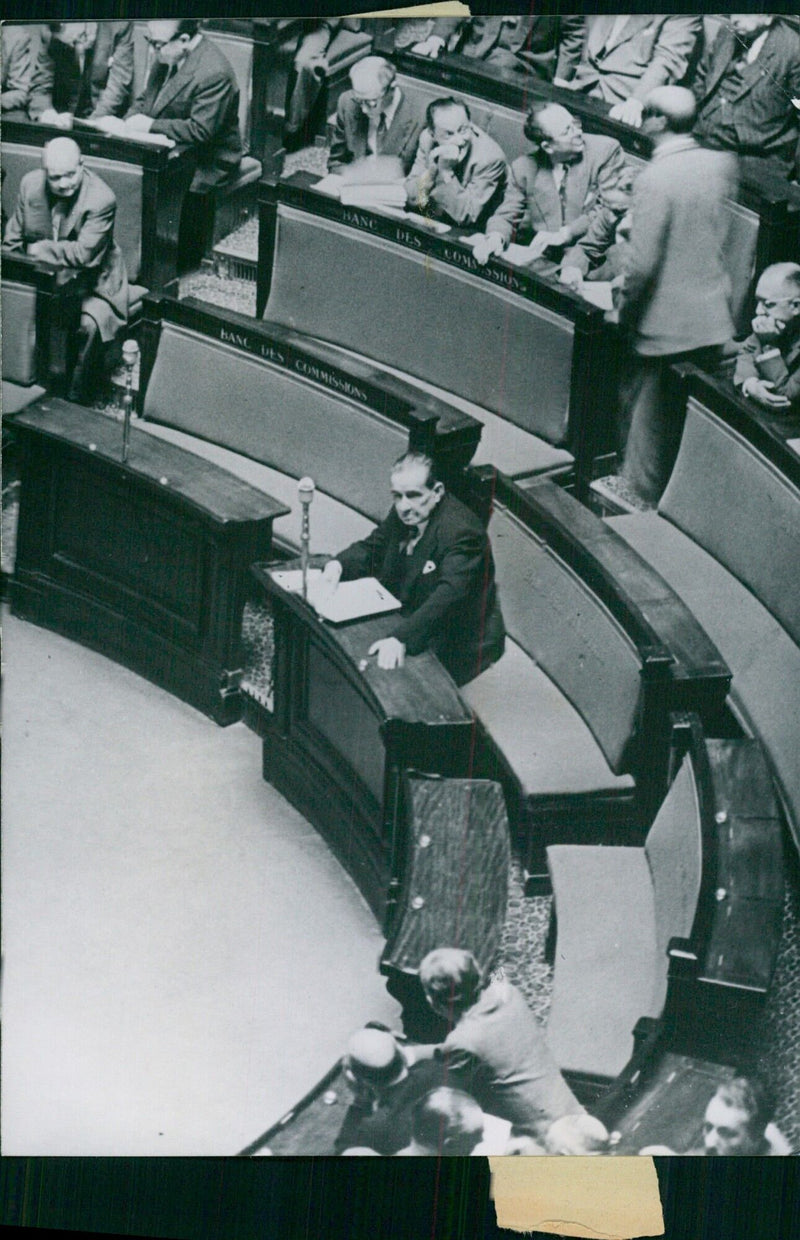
{"x":168,"y":44}
{"x":776,"y":300}
{"x":77,"y":34}
{"x":414,"y":500}
{"x":372,"y":95}
{"x":451,"y":125}
{"x":726,"y":1130}
{"x":64,"y":174}
{"x":748,"y":25}
{"x":564,"y":141}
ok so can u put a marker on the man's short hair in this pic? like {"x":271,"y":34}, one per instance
{"x":676,"y":104}
{"x":383,"y":70}
{"x":437,"y":105}
{"x":451,"y":976}
{"x":419,"y":458}
{"x":532,"y":128}
{"x":787,"y":273}
{"x":188,"y":25}
{"x":753,"y":1096}
{"x":447,"y":1120}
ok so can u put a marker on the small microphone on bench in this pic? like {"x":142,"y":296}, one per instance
{"x":130,"y":356}
{"x":305,"y":493}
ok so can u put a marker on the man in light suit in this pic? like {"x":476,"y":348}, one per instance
{"x":16,"y":64}
{"x":191,"y":96}
{"x":553,"y":191}
{"x":459,"y":173}
{"x":676,"y":294}
{"x":625,"y":57}
{"x":65,"y":215}
{"x":524,"y":44}
{"x":434,"y":556}
{"x":374,"y":118}
{"x":84,"y":69}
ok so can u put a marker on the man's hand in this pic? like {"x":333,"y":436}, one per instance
{"x":61,"y":120}
{"x":449,"y":153}
{"x":112,"y":124}
{"x":566,"y":85}
{"x":763,"y":393}
{"x":571,"y":276}
{"x":139,"y":123}
{"x":321,"y":589}
{"x":543,"y":240}
{"x":429,"y":47}
{"x":39,"y":249}
{"x":767,"y":328}
{"x":390,"y":651}
{"x":629,"y":112}
{"x":486,"y":246}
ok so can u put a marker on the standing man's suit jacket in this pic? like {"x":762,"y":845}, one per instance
{"x":108,"y":66}
{"x":478,"y":185}
{"x":198,"y":108}
{"x":535,"y":40}
{"x":85,"y":240}
{"x":349,"y":140}
{"x":650,"y":50}
{"x":532,"y":203}
{"x":447,"y":589}
{"x":16,"y":64}
{"x":763,"y":115}
{"x":677,"y":289}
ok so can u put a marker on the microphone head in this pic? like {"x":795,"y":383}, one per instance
{"x":305,"y":490}
{"x":130,"y":352}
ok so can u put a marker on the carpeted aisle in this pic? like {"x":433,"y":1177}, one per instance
{"x":183,"y":958}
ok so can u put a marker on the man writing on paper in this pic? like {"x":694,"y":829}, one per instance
{"x":374,"y":118}
{"x":434,"y":556}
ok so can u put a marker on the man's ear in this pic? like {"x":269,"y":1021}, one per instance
{"x":438,"y":489}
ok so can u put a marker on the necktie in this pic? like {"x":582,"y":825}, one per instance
{"x":57,"y":220}
{"x":562,"y":194}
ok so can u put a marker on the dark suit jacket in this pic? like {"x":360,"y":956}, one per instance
{"x":104,"y":89}
{"x":349,"y":140}
{"x":449,"y":597}
{"x":650,"y":50}
{"x":198,"y":107}
{"x":16,"y":65}
{"x":86,"y":239}
{"x":677,"y":289}
{"x":761,"y":113}
{"x":498,"y":1053}
{"x":536,"y":41}
{"x":532,"y":204}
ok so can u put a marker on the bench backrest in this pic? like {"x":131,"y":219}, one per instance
{"x":126,"y":181}
{"x":389,"y":302}
{"x":557,"y":619}
{"x":501,"y":123}
{"x":19,"y":332}
{"x":728,"y":497}
{"x":674,"y":851}
{"x":222,"y":394}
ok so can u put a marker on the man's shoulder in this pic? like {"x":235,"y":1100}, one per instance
{"x":212,"y":63}
{"x":33,"y":183}
{"x":101,"y":194}
{"x":15,"y":37}
{"x":485,"y":149}
{"x":457,"y":518}
{"x":599,"y":147}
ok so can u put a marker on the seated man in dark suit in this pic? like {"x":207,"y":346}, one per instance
{"x":746,"y":89}
{"x":16,"y":67}
{"x":65,"y":215}
{"x":768,"y":364}
{"x":434,"y":556}
{"x":553,"y":191}
{"x":84,"y":69}
{"x":459,"y":172}
{"x":374,"y":118}
{"x":523,"y":44}
{"x":191,"y":96}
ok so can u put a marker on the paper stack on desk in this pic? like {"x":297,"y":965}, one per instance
{"x":351,"y":600}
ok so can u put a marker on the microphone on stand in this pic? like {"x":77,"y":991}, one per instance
{"x":130,"y":356}
{"x":305,"y":493}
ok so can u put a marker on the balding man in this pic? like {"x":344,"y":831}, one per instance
{"x":65,"y":216}
{"x":768,"y":365}
{"x":676,"y":296}
{"x":554,"y":190}
{"x":459,"y":173}
{"x":374,"y":118}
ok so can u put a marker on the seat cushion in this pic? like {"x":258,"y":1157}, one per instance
{"x":765,"y":693}
{"x":540,"y":734}
{"x":333,"y":525}
{"x":16,"y":397}
{"x":606,"y":955}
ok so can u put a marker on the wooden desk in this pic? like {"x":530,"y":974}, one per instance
{"x":149,"y":183}
{"x":41,"y":313}
{"x":145,"y":561}
{"x":341,"y":736}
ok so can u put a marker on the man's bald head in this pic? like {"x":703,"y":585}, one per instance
{"x":63,"y":166}
{"x":672,"y":108}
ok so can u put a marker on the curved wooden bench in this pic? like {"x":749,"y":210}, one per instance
{"x":686,"y":928}
{"x":41,"y":313}
{"x":725,"y":537}
{"x":273,"y":405}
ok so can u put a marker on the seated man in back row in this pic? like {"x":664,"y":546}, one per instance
{"x":84,"y":69}
{"x":459,"y":173}
{"x":768,"y":365}
{"x":434,"y":555}
{"x":65,"y":216}
{"x":374,"y":118}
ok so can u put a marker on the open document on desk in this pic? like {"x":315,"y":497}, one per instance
{"x":351,"y":600}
